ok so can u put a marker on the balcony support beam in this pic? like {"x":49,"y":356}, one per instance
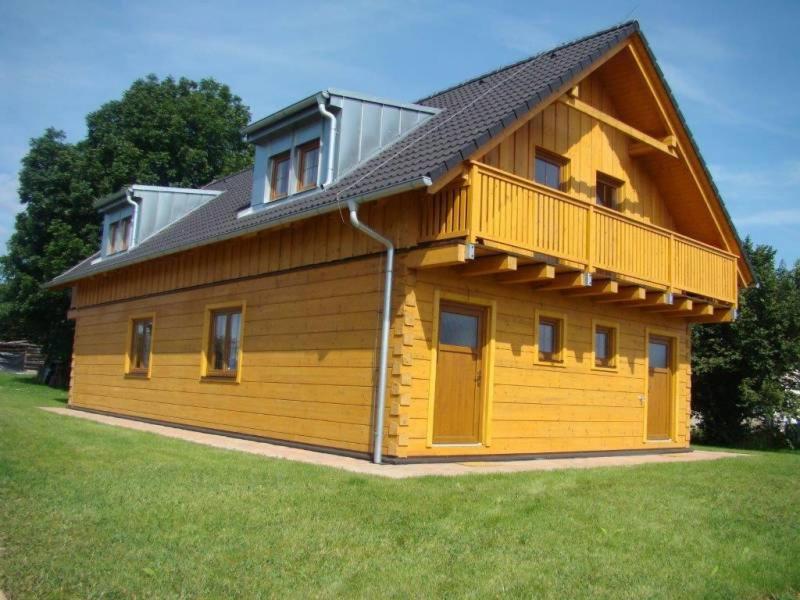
{"x":529,"y":274}
{"x":440,"y":256}
{"x":655,"y":299}
{"x":599,"y":287}
{"x":633,"y":293}
{"x":490,"y":265}
{"x":679,"y":305}
{"x":567,"y":281}
{"x":721,"y":315}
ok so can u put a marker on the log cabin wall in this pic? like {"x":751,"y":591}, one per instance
{"x":535,"y":407}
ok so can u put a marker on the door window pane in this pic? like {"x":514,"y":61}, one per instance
{"x":456,"y":329}
{"x":658,"y":355}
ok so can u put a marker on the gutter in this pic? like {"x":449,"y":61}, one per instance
{"x":380,"y":393}
{"x":111,"y":264}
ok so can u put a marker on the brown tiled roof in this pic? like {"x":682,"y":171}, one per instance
{"x":472,"y":113}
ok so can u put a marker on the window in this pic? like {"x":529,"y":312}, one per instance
{"x":308,"y":165}
{"x":224,"y":342}
{"x":607,"y":190}
{"x":279,"y":180}
{"x":119,"y":233}
{"x":549,"y":338}
{"x":141,"y":344}
{"x":548,"y":169}
{"x":605,"y":350}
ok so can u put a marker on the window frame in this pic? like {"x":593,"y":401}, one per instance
{"x":612,"y":362}
{"x":610,"y":182}
{"x":562,"y":162}
{"x":302,"y":151}
{"x":275,"y":160}
{"x":557,"y":358}
{"x":111,"y":235}
{"x":207,"y":372}
{"x":130,"y":358}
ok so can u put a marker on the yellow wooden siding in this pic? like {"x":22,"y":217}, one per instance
{"x":535,"y":407}
{"x":589,"y":146}
{"x":307,"y":372}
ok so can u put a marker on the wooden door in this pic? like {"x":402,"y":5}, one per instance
{"x":457,"y":403}
{"x":659,"y":388}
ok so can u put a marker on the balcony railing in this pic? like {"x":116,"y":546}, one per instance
{"x":509,"y":212}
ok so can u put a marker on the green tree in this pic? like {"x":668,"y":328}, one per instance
{"x":179,"y":133}
{"x":742,"y":371}
{"x":161,"y":132}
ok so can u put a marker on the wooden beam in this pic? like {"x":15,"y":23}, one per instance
{"x":529,"y":274}
{"x":721,"y":315}
{"x":567,"y":281}
{"x":702,"y":309}
{"x":628,"y":130}
{"x":489,"y":265}
{"x":679,"y":305}
{"x":655,"y":299}
{"x":438,"y":256}
{"x":641,"y":148}
{"x":599,"y":287}
{"x":633,"y":293}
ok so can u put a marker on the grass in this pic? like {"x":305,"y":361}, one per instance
{"x":89,"y":511}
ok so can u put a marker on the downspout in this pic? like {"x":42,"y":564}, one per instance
{"x":380,"y":395}
{"x":331,"y":138}
{"x":135,"y":219}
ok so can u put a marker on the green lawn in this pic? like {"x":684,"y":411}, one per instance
{"x":87,"y":510}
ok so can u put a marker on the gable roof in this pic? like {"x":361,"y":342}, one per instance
{"x":471,"y":114}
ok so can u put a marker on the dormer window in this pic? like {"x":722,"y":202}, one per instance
{"x":279,"y":179}
{"x":308,"y":165}
{"x":119,"y":235}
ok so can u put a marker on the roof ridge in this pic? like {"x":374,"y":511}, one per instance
{"x":579,"y":40}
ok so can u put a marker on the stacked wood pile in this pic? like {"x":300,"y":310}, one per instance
{"x":19,"y":356}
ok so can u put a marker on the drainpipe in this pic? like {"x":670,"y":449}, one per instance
{"x":380,"y":396}
{"x":331,"y":138}
{"x":135,"y":219}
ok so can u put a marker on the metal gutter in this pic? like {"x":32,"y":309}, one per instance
{"x":380,"y":393}
{"x":131,"y":199}
{"x":403,"y":186}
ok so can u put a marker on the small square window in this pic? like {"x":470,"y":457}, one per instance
{"x":279,"y":179}
{"x":140,"y":346}
{"x":550,"y":339}
{"x":605,"y":346}
{"x":224,"y":342}
{"x":549,"y":169}
{"x":607,"y":191}
{"x":308,"y":162}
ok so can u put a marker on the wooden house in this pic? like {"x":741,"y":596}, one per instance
{"x":509,"y":266}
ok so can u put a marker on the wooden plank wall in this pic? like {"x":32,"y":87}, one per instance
{"x":540,"y":408}
{"x":308,"y":371}
{"x":590,"y":146}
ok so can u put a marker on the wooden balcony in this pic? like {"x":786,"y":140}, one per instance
{"x":503,"y":211}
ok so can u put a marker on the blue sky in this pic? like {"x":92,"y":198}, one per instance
{"x":732,"y":65}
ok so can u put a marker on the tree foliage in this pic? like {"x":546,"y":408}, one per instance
{"x":743,"y":372}
{"x":161,"y":132}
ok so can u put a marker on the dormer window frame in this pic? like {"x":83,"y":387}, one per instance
{"x":275,"y":162}
{"x":119,"y":243}
{"x":302,"y":153}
